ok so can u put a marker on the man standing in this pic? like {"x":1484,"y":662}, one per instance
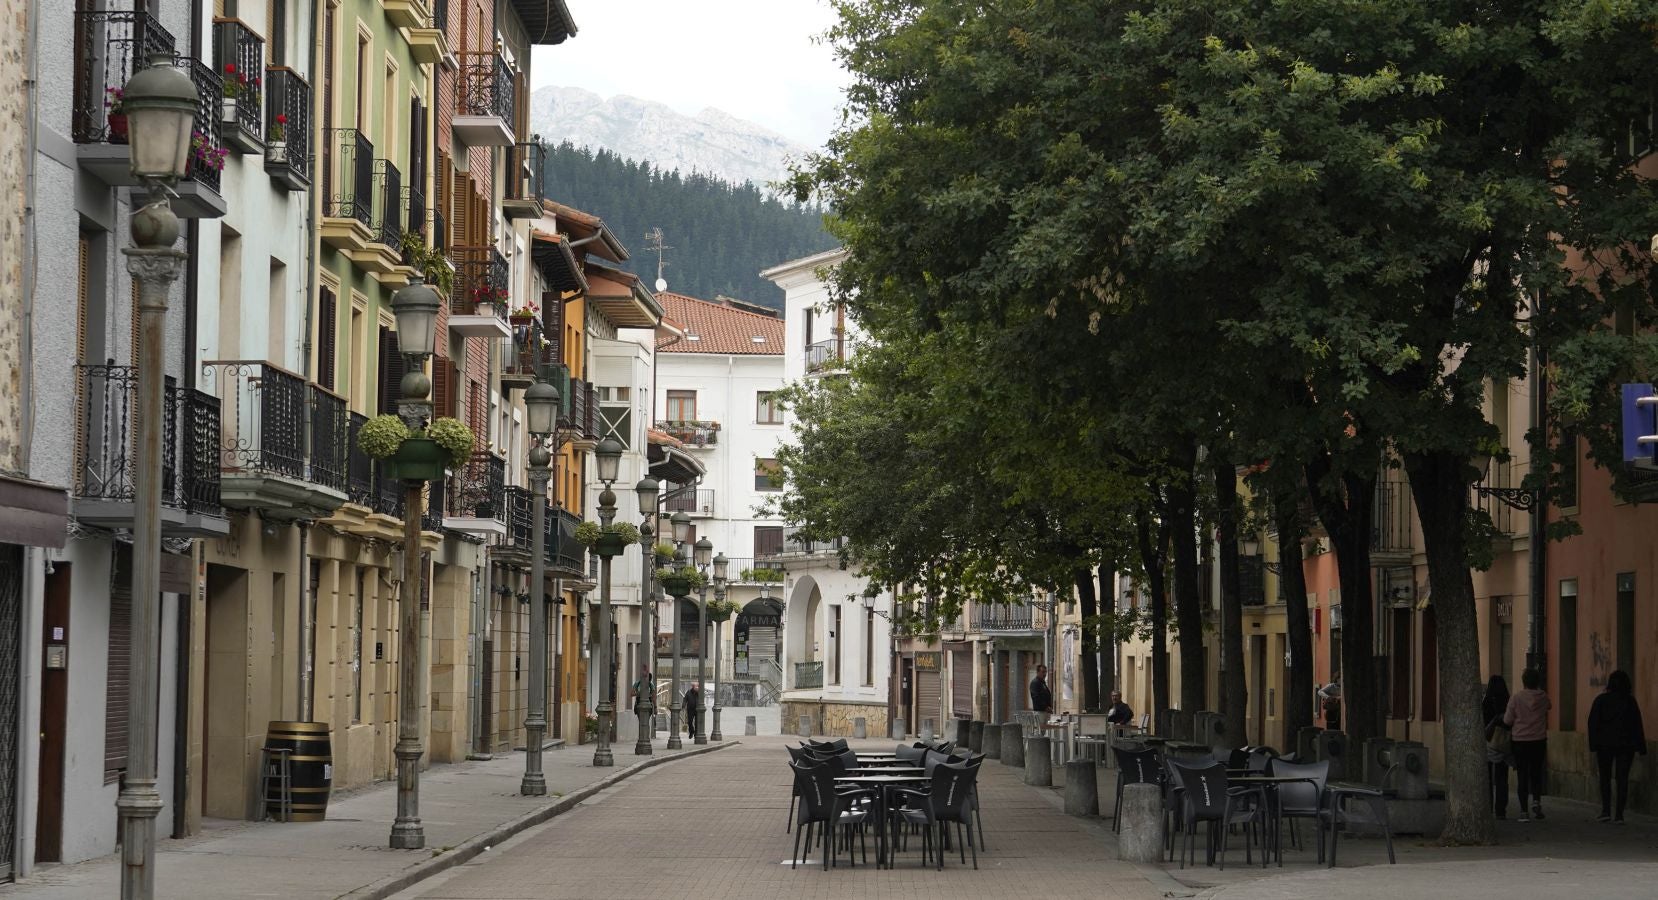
{"x":644,"y":686}
{"x":1119,"y":712}
{"x":692,"y":696}
{"x":1041,"y":699}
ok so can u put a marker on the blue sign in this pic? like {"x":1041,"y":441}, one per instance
{"x":1640,"y":423}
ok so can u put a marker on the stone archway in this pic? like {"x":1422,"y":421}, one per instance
{"x":802,"y":641}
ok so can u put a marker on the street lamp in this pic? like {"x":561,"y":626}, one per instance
{"x":608,"y":457}
{"x":702,"y":555}
{"x":160,"y":102}
{"x":678,"y":585}
{"x":541,"y":408}
{"x":682,"y":527}
{"x":416,"y":307}
{"x":647,"y":490}
{"x":721,"y":567}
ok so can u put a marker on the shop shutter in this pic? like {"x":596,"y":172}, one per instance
{"x":961,"y":684}
{"x":390,"y":371}
{"x":328,"y":328}
{"x":928,"y":702}
{"x":116,"y":680}
{"x":445,"y":381}
{"x":552,"y":322}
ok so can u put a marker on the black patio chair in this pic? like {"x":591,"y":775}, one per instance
{"x":1301,"y":799}
{"x":1209,"y":798}
{"x":945,"y":800}
{"x":822,"y":806}
{"x":1339,"y":813}
{"x":911,"y":754}
{"x":1133,"y":767}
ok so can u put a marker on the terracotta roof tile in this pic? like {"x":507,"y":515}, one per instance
{"x":716,"y":328}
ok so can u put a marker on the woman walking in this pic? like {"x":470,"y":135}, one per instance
{"x":1497,"y":761}
{"x":1528,"y":718}
{"x":1615,"y":736}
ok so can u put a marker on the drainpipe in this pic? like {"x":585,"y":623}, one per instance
{"x":307,"y":628}
{"x":307,"y":602}
{"x":1537,"y":555}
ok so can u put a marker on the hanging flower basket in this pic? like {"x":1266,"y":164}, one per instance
{"x":610,"y":544}
{"x":418,"y":459}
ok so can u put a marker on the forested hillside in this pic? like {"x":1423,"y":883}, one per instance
{"x":722,"y":234}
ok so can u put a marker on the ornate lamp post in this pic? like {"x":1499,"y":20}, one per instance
{"x":682,"y":534}
{"x":647,"y":490}
{"x":721,"y":566}
{"x":702,"y":555}
{"x":541,"y":406}
{"x":161,"y":106}
{"x":608,"y":456}
{"x":416,"y":307}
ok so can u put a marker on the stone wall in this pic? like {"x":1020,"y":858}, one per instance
{"x":834,"y":719}
{"x":14,"y":108}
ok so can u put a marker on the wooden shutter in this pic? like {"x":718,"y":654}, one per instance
{"x":390,"y":371}
{"x":445,"y":380}
{"x":552,"y":322}
{"x":277,"y":25}
{"x":460,"y":210}
{"x":117,"y":686}
{"x":477,"y":416}
{"x":328,"y":328}
{"x":928,"y":701}
{"x":961,"y":684}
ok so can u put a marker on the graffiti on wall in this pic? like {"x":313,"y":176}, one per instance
{"x":1600,"y":660}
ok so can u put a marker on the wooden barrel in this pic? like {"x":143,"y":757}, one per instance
{"x":310,"y":769}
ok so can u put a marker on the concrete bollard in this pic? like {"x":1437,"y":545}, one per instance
{"x":804,"y":727}
{"x":1141,"y":824}
{"x":1013,"y":745}
{"x":926,"y":730}
{"x":964,"y":729}
{"x":1305,"y":739}
{"x":992,"y":743}
{"x":750,"y":726}
{"x":899,"y":729}
{"x":860,"y":728}
{"x":1039,"y":762}
{"x":975,"y":737}
{"x":1082,"y":788}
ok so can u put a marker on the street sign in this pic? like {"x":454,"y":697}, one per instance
{"x":1640,"y":424}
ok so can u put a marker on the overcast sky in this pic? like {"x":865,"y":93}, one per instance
{"x":755,"y":59}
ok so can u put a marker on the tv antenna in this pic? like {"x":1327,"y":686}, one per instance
{"x":653,"y":241}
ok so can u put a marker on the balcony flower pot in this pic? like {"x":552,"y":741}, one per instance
{"x":227,"y":110}
{"x":117,"y":128}
{"x":484,"y":308}
{"x":418,"y":459}
{"x":276,"y":153}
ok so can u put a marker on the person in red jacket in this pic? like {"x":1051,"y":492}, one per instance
{"x":1615,"y":736}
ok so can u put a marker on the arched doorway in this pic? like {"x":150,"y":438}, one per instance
{"x":758,"y":644}
{"x":802,"y":640}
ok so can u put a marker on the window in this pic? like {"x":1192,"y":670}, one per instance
{"x":767,"y":411}
{"x":768,"y":540}
{"x":834,"y":664}
{"x":613,"y":394}
{"x":869,"y":647}
{"x":682,"y":406}
{"x":1566,"y":654}
{"x":768,"y":475}
{"x":363,"y":52}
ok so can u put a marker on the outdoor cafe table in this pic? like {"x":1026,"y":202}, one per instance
{"x":864,"y":762}
{"x":1091,"y":746}
{"x":1271,"y":783}
{"x":882,"y":783}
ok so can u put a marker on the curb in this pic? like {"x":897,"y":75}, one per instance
{"x":473,"y":846}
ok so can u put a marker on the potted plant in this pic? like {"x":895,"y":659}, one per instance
{"x":607,"y":541}
{"x":416,"y":455}
{"x":430,"y":261}
{"x":116,"y":114}
{"x":720,"y":610}
{"x":236,"y":86}
{"x":485,"y":297}
{"x":276,"y":147}
{"x":204,"y":155}
{"x":527,"y":312}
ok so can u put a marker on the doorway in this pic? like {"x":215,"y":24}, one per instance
{"x":54,"y":715}
{"x":226,"y":782}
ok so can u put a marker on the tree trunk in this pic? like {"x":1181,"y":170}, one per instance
{"x":1439,"y":484}
{"x":1346,"y":512}
{"x":1084,"y":577}
{"x":1235,"y":689}
{"x":1107,"y":652}
{"x":1188,"y":589}
{"x":1152,"y":551}
{"x":1298,"y":701}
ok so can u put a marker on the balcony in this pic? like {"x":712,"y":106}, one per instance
{"x":695,"y":435}
{"x":288,"y":128}
{"x":808,"y":675}
{"x":794,"y":545}
{"x":483,"y":100}
{"x":359,"y":465}
{"x":383,"y":256}
{"x":106,"y":461}
{"x":517,"y":546}
{"x":109,"y":46}
{"x":826,"y":357}
{"x":239,"y":56}
{"x":524,"y":190}
{"x":475,"y":500}
{"x":477,"y":303}
{"x":1013,"y":617}
{"x":1391,"y":533}
{"x":583,"y":406}
{"x":428,"y":36}
{"x":747,"y":570}
{"x":406,"y":13}
{"x":564,"y":554}
{"x":696,"y":503}
{"x":530,"y":357}
{"x":285,"y":452}
{"x":347,"y":190}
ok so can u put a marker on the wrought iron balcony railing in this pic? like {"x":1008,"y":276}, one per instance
{"x":825,"y":356}
{"x":415,"y":202}
{"x":796,"y":545}
{"x":107,"y":432}
{"x":207,"y":148}
{"x":693,"y":434}
{"x":288,"y":120}
{"x":329,"y":439}
{"x":440,"y":228}
{"x":1008,"y":617}
{"x":518,"y":518}
{"x":746,"y":570}
{"x":1393,"y":516}
{"x":240,"y":56}
{"x":478,"y":490}
{"x":485,"y":87}
{"x":563,"y":551}
{"x":348,"y":176}
{"x":524,"y":190}
{"x":583,"y":404}
{"x":532,"y":351}
{"x":110,"y":45}
{"x":280,"y":425}
{"x":698,"y":502}
{"x":808,"y":674}
{"x":359,"y":465}
{"x":388,"y":204}
{"x":481,"y":274}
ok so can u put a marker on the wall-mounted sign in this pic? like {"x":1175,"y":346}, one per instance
{"x":57,"y":656}
{"x":928,"y":662}
{"x":760,"y":620}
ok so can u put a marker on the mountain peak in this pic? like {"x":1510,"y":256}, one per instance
{"x":713,"y":142}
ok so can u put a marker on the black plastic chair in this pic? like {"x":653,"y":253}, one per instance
{"x":1133,"y":767}
{"x":912,"y":754}
{"x":947,"y":799}
{"x":821,"y":805}
{"x":796,"y":755}
{"x":1339,"y":813}
{"x":1301,"y":799}
{"x":1209,"y":798}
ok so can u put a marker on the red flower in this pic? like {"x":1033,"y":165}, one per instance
{"x":230,"y":68}
{"x":281,"y":118}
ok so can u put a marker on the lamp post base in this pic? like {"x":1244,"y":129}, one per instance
{"x":406,"y":831}
{"x":534,"y":783}
{"x":601,"y":752}
{"x":138,"y":805}
{"x":715,"y":734}
{"x":673,"y":728}
{"x":647,"y":724}
{"x":702,"y":726}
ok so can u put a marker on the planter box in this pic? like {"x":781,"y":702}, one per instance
{"x":419,"y":459}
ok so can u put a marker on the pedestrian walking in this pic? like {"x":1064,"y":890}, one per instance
{"x":1527,"y":717}
{"x":1498,"y":745}
{"x":692,"y":697}
{"x":1041,"y":698}
{"x":1615,"y":736}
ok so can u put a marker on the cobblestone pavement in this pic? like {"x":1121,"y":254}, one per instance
{"x":712,"y":827}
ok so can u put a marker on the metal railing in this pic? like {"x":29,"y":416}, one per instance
{"x":486,"y":86}
{"x":745,"y":570}
{"x":388,"y":190}
{"x":347,"y":176}
{"x":207,"y":147}
{"x":1503,"y":474}
{"x":415,"y":202}
{"x":440,"y":228}
{"x":562,"y":549}
{"x":581,"y":407}
{"x":107,"y":431}
{"x":288,"y":108}
{"x":264,"y":408}
{"x":359,"y":465}
{"x":240,"y":55}
{"x":526,"y":166}
{"x":478,"y":489}
{"x":440,"y":14}
{"x":519,"y":508}
{"x":388,"y":494}
{"x":826,"y":355}
{"x":531,"y":351}
{"x":795,"y":545}
{"x":693,"y":434}
{"x":808,"y":674}
{"x":1007,"y":617}
{"x":1393,"y":515}
{"x":330,"y":439}
{"x":110,"y":45}
{"x":698,"y":502}
{"x":480,"y":273}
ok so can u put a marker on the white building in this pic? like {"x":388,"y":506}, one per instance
{"x":837,"y":653}
{"x":717,"y":379}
